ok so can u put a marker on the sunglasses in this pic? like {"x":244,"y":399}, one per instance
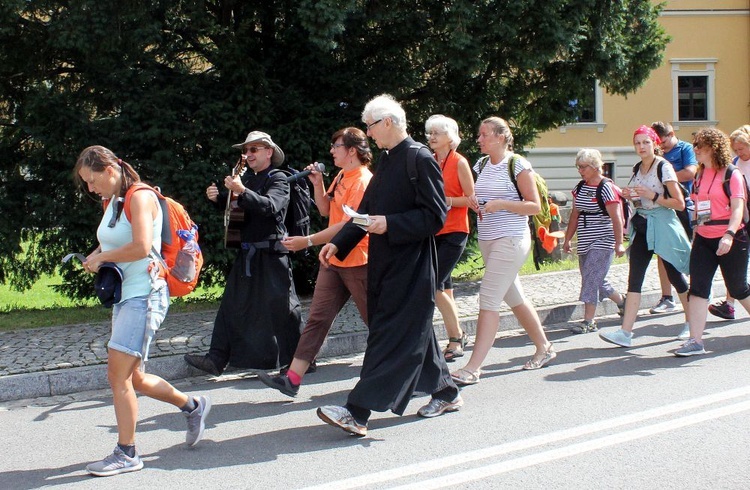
{"x":253,"y":149}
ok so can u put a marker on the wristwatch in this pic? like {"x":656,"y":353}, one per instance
{"x":309,"y":241}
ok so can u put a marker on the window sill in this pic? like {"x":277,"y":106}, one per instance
{"x":598,"y":126}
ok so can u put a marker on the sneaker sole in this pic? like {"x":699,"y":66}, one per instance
{"x":659,"y":312}
{"x":268,"y":381}
{"x":692,"y":353}
{"x":334,"y":423}
{"x":206,"y":411}
{"x":612,"y":341}
{"x":118,"y":471}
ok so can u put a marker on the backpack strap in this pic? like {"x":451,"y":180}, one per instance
{"x":512,"y":172}
{"x":482,"y":163}
{"x":411,"y":162}
{"x":600,"y":194}
{"x":578,"y":187}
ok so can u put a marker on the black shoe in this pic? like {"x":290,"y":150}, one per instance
{"x":280,"y":382}
{"x":204,"y":363}
{"x":310,"y":369}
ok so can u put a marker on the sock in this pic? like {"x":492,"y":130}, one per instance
{"x":128,"y":449}
{"x":295,"y":378}
{"x":190,"y":405}
{"x":446,"y":394}
{"x":669,"y":297}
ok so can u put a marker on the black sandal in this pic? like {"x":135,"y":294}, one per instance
{"x":452,"y":354}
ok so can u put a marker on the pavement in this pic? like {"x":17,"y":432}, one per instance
{"x":68,"y":359}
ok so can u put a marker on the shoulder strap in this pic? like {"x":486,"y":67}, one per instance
{"x":600,"y":194}
{"x":138,"y":186}
{"x":727,"y":176}
{"x":483,"y":163}
{"x":658,"y":170}
{"x":411,"y":162}
{"x":579,"y":186}
{"x":512,"y":172}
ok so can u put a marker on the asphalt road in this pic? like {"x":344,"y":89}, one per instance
{"x":597,"y":417}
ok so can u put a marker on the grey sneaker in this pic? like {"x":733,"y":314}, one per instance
{"x":618,"y":337}
{"x":342,"y":418}
{"x":585,"y":326}
{"x":116,"y":463}
{"x":690,"y":348}
{"x":665,"y":305}
{"x":438,"y":407}
{"x":196,"y":420}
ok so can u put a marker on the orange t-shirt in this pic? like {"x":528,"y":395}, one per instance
{"x":458,"y":218}
{"x":349,"y":190}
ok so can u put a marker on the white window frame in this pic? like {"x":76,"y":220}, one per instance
{"x":694,"y":70}
{"x":599,"y":108}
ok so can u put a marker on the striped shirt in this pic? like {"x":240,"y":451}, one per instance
{"x":494,"y":183}
{"x":594,"y":230}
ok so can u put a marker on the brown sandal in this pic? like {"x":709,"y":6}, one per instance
{"x":452,"y":354}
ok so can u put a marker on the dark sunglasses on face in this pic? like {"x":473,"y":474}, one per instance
{"x":253,"y":149}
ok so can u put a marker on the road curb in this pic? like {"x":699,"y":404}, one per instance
{"x":173,"y":367}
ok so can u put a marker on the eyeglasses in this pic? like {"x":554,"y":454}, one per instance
{"x":253,"y":149}
{"x":582,"y":167}
{"x":336,"y":145}
{"x":369,"y":126}
{"x":434,"y":133}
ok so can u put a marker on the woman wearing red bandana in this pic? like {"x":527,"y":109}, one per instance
{"x":654,"y":229}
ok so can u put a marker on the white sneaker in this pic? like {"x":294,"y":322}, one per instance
{"x":665,"y":305}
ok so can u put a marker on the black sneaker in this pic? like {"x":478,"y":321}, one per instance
{"x":280,"y":382}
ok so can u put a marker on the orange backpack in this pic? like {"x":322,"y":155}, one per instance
{"x":181,"y":257}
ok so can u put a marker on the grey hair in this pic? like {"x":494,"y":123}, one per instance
{"x":500,"y":127}
{"x":385,"y":106}
{"x":444,"y":123}
{"x":591,"y":156}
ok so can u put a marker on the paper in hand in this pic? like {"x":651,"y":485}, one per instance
{"x":361,"y":220}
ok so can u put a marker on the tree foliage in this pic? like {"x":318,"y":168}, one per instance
{"x":169,"y":86}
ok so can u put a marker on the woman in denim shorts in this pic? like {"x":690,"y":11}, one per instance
{"x":143,"y":303}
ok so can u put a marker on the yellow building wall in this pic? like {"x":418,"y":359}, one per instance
{"x":713,"y":31}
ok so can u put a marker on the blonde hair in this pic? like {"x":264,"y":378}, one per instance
{"x":590,"y":156}
{"x":741,"y":135}
{"x":500,"y":127}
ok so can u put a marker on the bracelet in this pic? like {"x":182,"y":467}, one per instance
{"x":309,"y":241}
{"x":730,"y":233}
{"x":656,"y":196}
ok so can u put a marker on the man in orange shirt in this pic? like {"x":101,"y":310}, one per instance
{"x":344,"y":278}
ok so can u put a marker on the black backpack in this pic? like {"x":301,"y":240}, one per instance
{"x":297,"y":220}
{"x":600,"y":200}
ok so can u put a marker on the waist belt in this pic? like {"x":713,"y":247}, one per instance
{"x":711,"y":222}
{"x":251,"y":247}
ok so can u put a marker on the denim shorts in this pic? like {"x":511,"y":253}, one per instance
{"x":136,"y":320}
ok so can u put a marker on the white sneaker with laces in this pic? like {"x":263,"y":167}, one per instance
{"x":665,"y":305}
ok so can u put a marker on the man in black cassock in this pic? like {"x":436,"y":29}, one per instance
{"x":402,"y":355}
{"x":259,"y":319}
